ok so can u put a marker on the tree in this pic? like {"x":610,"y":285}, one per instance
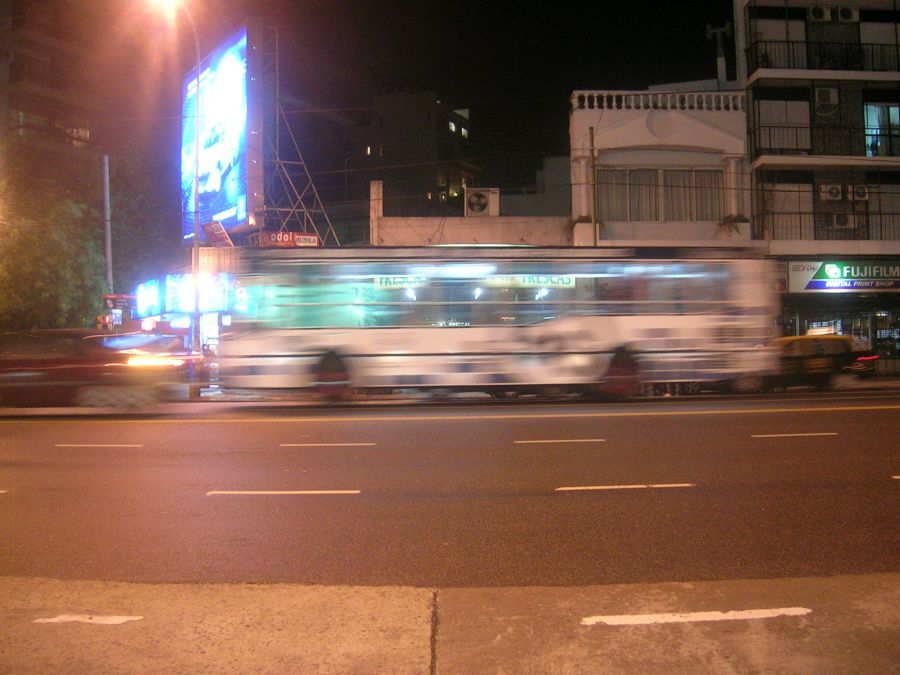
{"x":51,"y":274}
{"x":52,"y":266}
{"x":145,"y":220}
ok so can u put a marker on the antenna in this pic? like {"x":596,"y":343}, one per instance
{"x":718,"y":33}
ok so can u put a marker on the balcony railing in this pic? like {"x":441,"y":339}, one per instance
{"x":642,"y":100}
{"x":828,"y":226}
{"x":852,"y":141}
{"x":822,"y":56}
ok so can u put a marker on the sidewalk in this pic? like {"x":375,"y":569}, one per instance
{"x":806,"y":625}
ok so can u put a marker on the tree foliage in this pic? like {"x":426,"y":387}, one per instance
{"x":51,"y":274}
{"x":52,"y":261}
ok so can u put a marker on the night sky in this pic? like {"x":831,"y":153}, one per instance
{"x":512,"y":64}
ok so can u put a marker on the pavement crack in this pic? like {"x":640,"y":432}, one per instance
{"x":434,"y":633}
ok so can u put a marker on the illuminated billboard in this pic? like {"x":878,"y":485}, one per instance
{"x":227,"y":147}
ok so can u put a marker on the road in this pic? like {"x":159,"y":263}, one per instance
{"x":462,"y":497}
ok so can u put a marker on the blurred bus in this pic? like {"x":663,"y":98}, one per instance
{"x":499,"y":320}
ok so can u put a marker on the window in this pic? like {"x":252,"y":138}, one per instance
{"x":452,"y":126}
{"x":651,"y":195}
{"x":643,"y":195}
{"x":783,"y":125}
{"x":882,"y":129}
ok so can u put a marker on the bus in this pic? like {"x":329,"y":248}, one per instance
{"x":503,"y":321}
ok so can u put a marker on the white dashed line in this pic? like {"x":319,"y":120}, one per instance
{"x":89,"y":618}
{"x":690,"y":617}
{"x":213,"y":493}
{"x":819,"y":433}
{"x":326,"y":445}
{"x":98,"y":445}
{"x":568,"y":440}
{"x":639,"y":486}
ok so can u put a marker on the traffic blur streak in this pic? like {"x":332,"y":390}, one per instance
{"x":78,"y":367}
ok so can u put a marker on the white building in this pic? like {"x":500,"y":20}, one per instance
{"x":668,"y":166}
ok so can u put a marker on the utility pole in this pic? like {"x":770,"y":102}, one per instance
{"x":107,"y":229}
{"x":593,"y":191}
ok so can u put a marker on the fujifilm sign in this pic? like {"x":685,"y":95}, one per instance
{"x":842,"y":276}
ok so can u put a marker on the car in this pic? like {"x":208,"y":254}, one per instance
{"x":813,"y":360}
{"x":59,"y":367}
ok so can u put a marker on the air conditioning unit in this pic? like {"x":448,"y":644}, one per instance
{"x":831,"y":193}
{"x":482,"y":201}
{"x":820,"y":14}
{"x":848,"y":14}
{"x":858,"y":193}
{"x":843,"y":221}
{"x":825,"y":96}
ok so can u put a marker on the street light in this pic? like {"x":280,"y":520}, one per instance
{"x":170,"y":6}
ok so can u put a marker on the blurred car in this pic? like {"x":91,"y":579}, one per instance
{"x":77,"y":367}
{"x":812,"y":360}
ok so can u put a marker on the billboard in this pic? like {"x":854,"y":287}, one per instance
{"x":226,"y":154}
{"x":842,"y":276}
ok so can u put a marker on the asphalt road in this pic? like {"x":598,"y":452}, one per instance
{"x":458,"y":496}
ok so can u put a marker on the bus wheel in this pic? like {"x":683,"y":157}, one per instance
{"x":623,"y":377}
{"x":333,"y":378}
{"x":748,"y":384}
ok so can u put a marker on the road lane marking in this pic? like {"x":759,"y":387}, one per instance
{"x":213,"y":493}
{"x":568,"y":440}
{"x":89,"y":618}
{"x":450,"y":418}
{"x":690,"y":617}
{"x":326,"y":445}
{"x":812,"y":433}
{"x":637,"y":486}
{"x":98,"y":445}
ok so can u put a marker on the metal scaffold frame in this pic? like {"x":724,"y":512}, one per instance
{"x":292,"y":202}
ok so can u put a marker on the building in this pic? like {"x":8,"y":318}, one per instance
{"x":664,"y":166}
{"x":823,"y":114}
{"x":48,"y":108}
{"x":419,"y":148}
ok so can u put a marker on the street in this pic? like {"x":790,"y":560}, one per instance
{"x":474,"y":496}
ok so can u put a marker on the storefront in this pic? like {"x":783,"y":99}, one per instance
{"x":167,"y":305}
{"x":859,"y":297}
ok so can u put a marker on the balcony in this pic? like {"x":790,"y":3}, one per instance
{"x":841,"y":141}
{"x":643,"y":100}
{"x":822,"y":56}
{"x":827,"y":226}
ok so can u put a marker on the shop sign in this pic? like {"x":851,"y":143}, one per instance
{"x":287,"y":239}
{"x":216,"y":234}
{"x":859,"y":276}
{"x":532,"y":281}
{"x":388,"y":283}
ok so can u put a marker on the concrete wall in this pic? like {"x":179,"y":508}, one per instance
{"x":402,"y":231}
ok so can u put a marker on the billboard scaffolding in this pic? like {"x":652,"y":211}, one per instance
{"x":251,"y":176}
{"x":292,"y":203}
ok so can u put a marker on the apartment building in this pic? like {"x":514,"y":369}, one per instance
{"x":48,"y":108}
{"x":420,"y":149}
{"x":823,"y":115}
